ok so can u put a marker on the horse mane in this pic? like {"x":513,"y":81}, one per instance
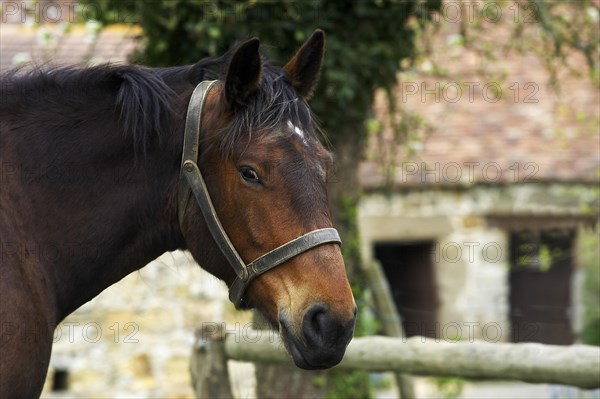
{"x":143,"y":101}
{"x":146,"y":105}
{"x":267,"y":111}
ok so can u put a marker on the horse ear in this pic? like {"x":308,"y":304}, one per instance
{"x":305,"y":66}
{"x":243,"y":73}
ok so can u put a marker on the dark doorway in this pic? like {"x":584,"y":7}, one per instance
{"x":60,"y":380}
{"x":410,"y":273}
{"x":540,"y":286}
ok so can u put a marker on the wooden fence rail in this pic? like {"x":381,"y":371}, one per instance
{"x":576,"y":365}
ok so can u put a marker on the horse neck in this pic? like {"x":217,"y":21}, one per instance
{"x":93,"y":211}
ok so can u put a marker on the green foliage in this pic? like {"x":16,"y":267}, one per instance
{"x":545,"y":258}
{"x":353,"y":384}
{"x":449,"y":387}
{"x":345,"y":385}
{"x":348,"y":205}
{"x":382,"y":380}
{"x":589,"y":259}
{"x":366,"y":41}
{"x":320,"y":382}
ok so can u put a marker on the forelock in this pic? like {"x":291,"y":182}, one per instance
{"x":272,"y":107}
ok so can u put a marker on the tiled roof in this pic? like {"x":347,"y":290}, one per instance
{"x":522,"y":132}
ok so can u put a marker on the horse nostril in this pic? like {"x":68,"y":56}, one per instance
{"x":315,"y":321}
{"x":322,"y":337}
{"x":322,"y":327}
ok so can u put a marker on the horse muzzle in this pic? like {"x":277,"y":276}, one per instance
{"x":320,"y":341}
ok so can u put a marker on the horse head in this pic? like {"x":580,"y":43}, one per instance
{"x":266,"y":173}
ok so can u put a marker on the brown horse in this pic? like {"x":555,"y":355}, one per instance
{"x":91,"y":161}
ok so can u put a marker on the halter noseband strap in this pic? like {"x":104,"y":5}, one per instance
{"x":191,"y":181}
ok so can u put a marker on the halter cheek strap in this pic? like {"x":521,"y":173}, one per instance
{"x":191,"y":181}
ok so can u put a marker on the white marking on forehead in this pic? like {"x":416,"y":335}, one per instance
{"x":298,"y":131}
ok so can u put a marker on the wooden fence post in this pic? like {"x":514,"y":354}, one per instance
{"x":208,"y":364}
{"x":390,"y":318}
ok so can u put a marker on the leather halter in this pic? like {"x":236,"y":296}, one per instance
{"x":191,"y":181}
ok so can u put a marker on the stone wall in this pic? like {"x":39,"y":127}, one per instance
{"x":470,"y":256}
{"x":135,"y":338}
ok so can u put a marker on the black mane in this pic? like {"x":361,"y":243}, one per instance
{"x":145,"y":103}
{"x":267,"y":111}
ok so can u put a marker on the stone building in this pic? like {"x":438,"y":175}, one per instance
{"x":477,"y":217}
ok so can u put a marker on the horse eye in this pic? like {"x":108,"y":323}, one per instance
{"x":249,"y":174}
